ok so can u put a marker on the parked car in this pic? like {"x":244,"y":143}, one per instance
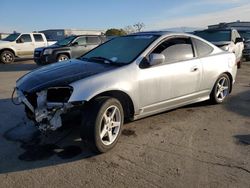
{"x":227,"y":39}
{"x":128,"y":77}
{"x":70,"y":47}
{"x":21,"y":45}
{"x":245,"y":33}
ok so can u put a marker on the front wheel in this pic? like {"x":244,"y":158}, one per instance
{"x":102,"y":126}
{"x":62,"y":57}
{"x":221,"y":89}
{"x":7,"y":57}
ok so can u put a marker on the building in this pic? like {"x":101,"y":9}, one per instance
{"x":4,"y":35}
{"x":237,"y":25}
{"x":58,"y":34}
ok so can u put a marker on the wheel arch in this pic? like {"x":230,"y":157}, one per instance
{"x":58,"y":53}
{"x":9,"y":49}
{"x":124,"y":98}
{"x":231,"y":80}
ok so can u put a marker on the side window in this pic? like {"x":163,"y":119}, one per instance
{"x":176,"y":49}
{"x":81,"y":41}
{"x":93,"y":40}
{"x":38,"y":37}
{"x":25,"y":38}
{"x":202,"y":48}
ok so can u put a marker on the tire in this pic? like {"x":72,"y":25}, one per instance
{"x":102,"y":124}
{"x":62,"y":57}
{"x":221,"y":89}
{"x":7,"y":57}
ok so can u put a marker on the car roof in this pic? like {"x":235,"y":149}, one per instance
{"x":162,"y":33}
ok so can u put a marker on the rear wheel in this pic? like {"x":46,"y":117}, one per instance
{"x":7,"y":57}
{"x":221,"y":89}
{"x":102,"y":124}
{"x":62,"y":57}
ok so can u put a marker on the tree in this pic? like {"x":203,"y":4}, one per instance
{"x":138,"y":26}
{"x":129,"y":29}
{"x":115,"y":32}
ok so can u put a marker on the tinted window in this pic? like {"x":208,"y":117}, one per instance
{"x":177,"y":49}
{"x":38,"y":37}
{"x":215,"y":36}
{"x":26,"y":38}
{"x":93,"y":40}
{"x":202,"y":48}
{"x":81,"y":41}
{"x":245,"y":34}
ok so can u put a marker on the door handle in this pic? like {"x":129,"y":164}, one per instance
{"x":194,"y":69}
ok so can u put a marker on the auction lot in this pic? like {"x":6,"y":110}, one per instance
{"x":200,"y":145}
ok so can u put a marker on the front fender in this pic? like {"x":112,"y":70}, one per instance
{"x":57,"y":52}
{"x":121,"y":79}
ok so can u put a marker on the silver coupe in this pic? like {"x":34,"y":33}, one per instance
{"x":127,"y":78}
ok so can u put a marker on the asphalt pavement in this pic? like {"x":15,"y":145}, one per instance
{"x":200,"y":145}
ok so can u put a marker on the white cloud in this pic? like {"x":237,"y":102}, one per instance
{"x":202,"y":20}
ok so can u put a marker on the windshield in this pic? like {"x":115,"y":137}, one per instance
{"x":66,"y":41}
{"x":245,"y":35}
{"x":215,"y":36}
{"x":121,"y":50}
{"x":11,"y":37}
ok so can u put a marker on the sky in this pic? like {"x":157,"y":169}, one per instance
{"x":35,"y":15}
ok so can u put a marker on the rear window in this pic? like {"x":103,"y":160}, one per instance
{"x":93,"y":40}
{"x":202,"y":48}
{"x":38,"y":37}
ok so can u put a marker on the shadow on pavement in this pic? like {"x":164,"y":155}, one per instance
{"x":15,"y":67}
{"x":24,"y":147}
{"x":239,"y":103}
{"x":243,"y":139}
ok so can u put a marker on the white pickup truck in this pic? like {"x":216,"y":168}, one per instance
{"x":21,"y":45}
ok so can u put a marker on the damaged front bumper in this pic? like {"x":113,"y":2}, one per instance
{"x":47,"y":106}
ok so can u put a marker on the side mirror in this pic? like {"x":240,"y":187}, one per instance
{"x":156,"y":59}
{"x":20,"y":40}
{"x":239,"y":39}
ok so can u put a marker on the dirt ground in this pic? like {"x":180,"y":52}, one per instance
{"x":200,"y":145}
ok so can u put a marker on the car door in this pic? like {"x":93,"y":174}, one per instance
{"x":175,"y":81}
{"x":25,"y":45}
{"x":39,"y":40}
{"x":79,"y":47}
{"x":93,"y":41}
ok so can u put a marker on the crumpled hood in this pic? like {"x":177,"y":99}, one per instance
{"x":59,"y":74}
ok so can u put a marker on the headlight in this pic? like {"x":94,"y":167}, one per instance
{"x":59,"y":94}
{"x":47,"y":51}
